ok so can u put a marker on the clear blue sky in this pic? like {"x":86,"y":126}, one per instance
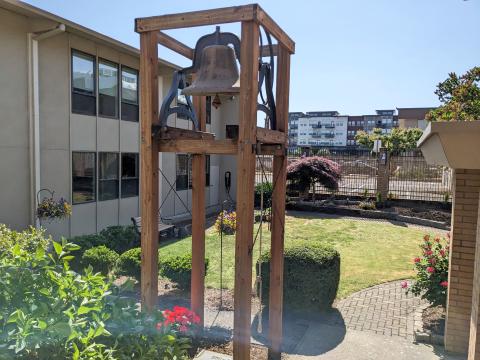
{"x":351,"y":56}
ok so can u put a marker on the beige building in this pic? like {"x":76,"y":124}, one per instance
{"x":69,"y":122}
{"x":413,"y":117}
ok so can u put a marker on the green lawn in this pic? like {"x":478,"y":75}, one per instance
{"x":371,"y":252}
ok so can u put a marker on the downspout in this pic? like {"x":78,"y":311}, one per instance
{"x":34,"y":114}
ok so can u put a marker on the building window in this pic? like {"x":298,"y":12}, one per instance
{"x":208,"y":119}
{"x":83,"y":84}
{"x":107,"y":176}
{"x":182,"y":101}
{"x":129,"y":94}
{"x":129,"y":175}
{"x":184,"y":172}
{"x":83,"y":177}
{"x":107,"y":89}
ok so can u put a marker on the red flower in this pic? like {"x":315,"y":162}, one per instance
{"x":442,"y":252}
{"x":433,"y":261}
{"x":444,"y":284}
{"x":404,"y":284}
{"x":430,"y":269}
{"x":159,"y":326}
{"x":416,"y":260}
{"x":428,"y":253}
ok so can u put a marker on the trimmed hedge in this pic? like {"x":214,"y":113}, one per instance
{"x":311,"y":277}
{"x":100,"y":258}
{"x":120,"y":238}
{"x":129,"y":263}
{"x":267,"y":194}
{"x":179,"y":269}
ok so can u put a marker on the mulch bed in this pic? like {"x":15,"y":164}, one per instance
{"x":434,"y":319}
{"x":257,"y":352}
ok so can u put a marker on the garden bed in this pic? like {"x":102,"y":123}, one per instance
{"x":423,"y":214}
{"x":429,"y":324}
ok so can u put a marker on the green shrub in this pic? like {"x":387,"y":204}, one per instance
{"x":311,"y":277}
{"x":367,"y":205}
{"x":129,"y":263}
{"x":267,"y":194}
{"x":120,"y":238}
{"x":100,"y":258}
{"x":88,"y":241}
{"x":179,"y":269}
{"x":28,"y":240}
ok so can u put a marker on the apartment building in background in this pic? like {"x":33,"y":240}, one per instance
{"x":293,"y":127}
{"x":322,"y":129}
{"x":413,"y":117}
{"x":69,"y":100}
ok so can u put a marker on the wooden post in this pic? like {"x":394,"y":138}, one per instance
{"x":149,"y":169}
{"x":198,"y":219}
{"x":278,"y":210}
{"x":245,"y":189}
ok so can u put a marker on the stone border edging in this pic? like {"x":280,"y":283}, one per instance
{"x":420,"y":334}
{"x":371,"y":214}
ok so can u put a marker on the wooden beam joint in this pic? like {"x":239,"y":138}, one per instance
{"x":267,"y":136}
{"x":173,"y":133}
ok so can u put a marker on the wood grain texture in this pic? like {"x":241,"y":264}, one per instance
{"x":198,"y":219}
{"x":173,"y":133}
{"x":196,"y":18}
{"x":245,"y":187}
{"x":149,"y":170}
{"x":278,"y":211}
{"x":267,"y":136}
{"x":175,"y":45}
{"x":220,"y":147}
{"x":277,"y":32}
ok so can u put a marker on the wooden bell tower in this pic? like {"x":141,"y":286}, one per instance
{"x":251,"y":141}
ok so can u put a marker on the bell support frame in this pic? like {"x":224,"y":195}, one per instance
{"x":251,"y":141}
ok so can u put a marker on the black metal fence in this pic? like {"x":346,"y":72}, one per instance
{"x":410,"y":177}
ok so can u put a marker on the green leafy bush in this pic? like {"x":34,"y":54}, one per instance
{"x":29,"y":240}
{"x":120,"y":238}
{"x":179,"y":269}
{"x":129,"y":263}
{"x":311,"y":277}
{"x":100,"y":258}
{"x":431,"y":280}
{"x":267,"y":194}
{"x":48,"y":311}
{"x":86,"y":242}
{"x":367,"y":205}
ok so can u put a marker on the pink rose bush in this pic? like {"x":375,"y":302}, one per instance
{"x":431,"y":281}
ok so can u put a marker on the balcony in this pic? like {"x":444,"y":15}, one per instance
{"x":329,"y":136}
{"x":316,"y":126}
{"x":329,"y":126}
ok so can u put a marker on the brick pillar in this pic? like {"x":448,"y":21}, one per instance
{"x":383,"y":173}
{"x":474,"y":344}
{"x":462,"y":254}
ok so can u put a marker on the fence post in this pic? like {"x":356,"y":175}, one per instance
{"x":383,"y":173}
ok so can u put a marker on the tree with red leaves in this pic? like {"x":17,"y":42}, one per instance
{"x":307,"y":171}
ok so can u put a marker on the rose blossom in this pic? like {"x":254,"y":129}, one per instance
{"x":430,"y":269}
{"x":444,"y":284}
{"x":416,"y":260}
{"x":404,"y":284}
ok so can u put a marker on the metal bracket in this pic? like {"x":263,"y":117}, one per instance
{"x":266,"y":74}
{"x":186,"y":110}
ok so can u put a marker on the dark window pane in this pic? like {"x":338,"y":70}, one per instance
{"x":129,"y":175}
{"x":107,"y":89}
{"x":107,"y":176}
{"x":208,"y":119}
{"x":83,"y":177}
{"x":83,"y":73}
{"x":83,"y":84}
{"x":129,"y":85}
{"x":129,"y":94}
{"x":207,"y":170}
{"x":183,"y":172}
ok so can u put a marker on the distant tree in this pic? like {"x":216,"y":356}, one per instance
{"x":398,"y":140}
{"x":460,"y":96}
{"x":307,"y":171}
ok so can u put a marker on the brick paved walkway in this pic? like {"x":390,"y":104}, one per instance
{"x":383,"y":309}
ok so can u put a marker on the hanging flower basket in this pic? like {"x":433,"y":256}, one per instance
{"x":50,"y":208}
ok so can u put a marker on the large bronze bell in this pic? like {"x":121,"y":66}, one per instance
{"x":218,"y":73}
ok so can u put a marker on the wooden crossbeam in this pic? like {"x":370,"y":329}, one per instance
{"x":173,"y":133}
{"x":225,"y":146}
{"x":268,"y":136}
{"x":196,"y":18}
{"x":175,"y":45}
{"x":252,"y":12}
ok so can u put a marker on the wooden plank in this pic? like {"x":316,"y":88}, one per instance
{"x":173,"y":133}
{"x":265,"y":50}
{"x":271,"y":149}
{"x":196,"y":18}
{"x":245,"y":187}
{"x":272,"y":27}
{"x":220,"y":147}
{"x":278,"y":212}
{"x":149,"y":169}
{"x":198,"y":219}
{"x":268,"y":136}
{"x":175,"y":45}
